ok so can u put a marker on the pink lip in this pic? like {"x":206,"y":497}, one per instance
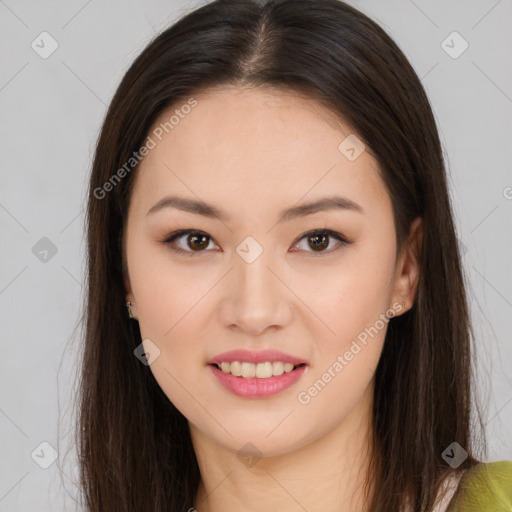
{"x":261,"y":356}
{"x":255,"y":387}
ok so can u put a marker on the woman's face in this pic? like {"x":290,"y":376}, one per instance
{"x":256,"y":273}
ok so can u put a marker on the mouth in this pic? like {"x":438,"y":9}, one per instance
{"x":257,"y":374}
{"x":265,"y":370}
{"x":257,"y":380}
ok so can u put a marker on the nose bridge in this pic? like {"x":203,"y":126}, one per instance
{"x":256,"y":297}
{"x":254,"y":280}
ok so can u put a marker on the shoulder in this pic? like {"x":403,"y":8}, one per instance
{"x":485,"y":487}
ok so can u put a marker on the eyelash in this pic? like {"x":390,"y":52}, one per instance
{"x":178,"y":234}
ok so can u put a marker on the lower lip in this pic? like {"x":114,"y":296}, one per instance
{"x":257,"y":388}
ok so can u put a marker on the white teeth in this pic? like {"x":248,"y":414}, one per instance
{"x":277,"y":368}
{"x":235,"y":368}
{"x":264,"y":370}
{"x":260,"y":370}
{"x":288,"y":367}
{"x":248,"y":370}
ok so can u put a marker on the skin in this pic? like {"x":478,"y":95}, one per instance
{"x":252,"y":153}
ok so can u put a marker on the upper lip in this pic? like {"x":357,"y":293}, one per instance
{"x":256,"y":357}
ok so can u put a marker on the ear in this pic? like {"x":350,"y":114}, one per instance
{"x":126,"y":280}
{"x":130,"y":297}
{"x":408,"y":267}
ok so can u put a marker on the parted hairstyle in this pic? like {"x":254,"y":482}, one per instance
{"x":134,"y":446}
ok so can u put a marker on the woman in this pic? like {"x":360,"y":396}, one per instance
{"x":269,"y":200}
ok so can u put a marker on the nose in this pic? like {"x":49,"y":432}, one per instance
{"x":256,"y":298}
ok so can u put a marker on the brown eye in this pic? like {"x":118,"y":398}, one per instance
{"x":197,"y":242}
{"x":193,"y":243}
{"x":319,"y":240}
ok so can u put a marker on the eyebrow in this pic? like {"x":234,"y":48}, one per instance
{"x":208,"y":210}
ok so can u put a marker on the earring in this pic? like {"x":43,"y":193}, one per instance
{"x":128,"y":304}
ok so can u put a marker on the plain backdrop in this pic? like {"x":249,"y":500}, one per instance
{"x":51,"y":109}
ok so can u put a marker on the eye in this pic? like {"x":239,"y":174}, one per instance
{"x":197,"y":242}
{"x":319,"y":240}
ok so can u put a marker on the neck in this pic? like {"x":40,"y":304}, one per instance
{"x":324,"y":475}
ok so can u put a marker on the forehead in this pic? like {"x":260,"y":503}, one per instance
{"x":254,"y":145}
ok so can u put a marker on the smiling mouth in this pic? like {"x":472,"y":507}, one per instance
{"x":260,"y":370}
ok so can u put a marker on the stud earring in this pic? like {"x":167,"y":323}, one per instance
{"x":128,"y":304}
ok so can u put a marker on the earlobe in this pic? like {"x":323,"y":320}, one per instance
{"x":130,"y":300}
{"x":130,"y":306}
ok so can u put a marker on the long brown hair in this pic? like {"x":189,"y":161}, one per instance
{"x":134,"y":446}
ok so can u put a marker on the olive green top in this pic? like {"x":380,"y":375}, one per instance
{"x":486,"y":487}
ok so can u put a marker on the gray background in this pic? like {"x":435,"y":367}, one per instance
{"x":51,"y":111}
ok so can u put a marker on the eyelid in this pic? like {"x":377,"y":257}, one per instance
{"x":332,"y":234}
{"x":329,"y":232}
{"x":181,"y":232}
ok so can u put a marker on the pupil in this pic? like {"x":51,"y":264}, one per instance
{"x":316,"y":245}
{"x":201,"y":245}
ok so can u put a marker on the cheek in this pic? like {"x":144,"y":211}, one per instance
{"x":355,"y":305}
{"x":165,"y":293}
{"x":171,"y":301}
{"x":349,"y":357}
{"x":351,"y":296}
{"x":170,"y":308}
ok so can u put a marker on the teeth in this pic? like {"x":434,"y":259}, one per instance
{"x":263,"y":370}
{"x":248,"y":370}
{"x":277,"y":368}
{"x":235,"y":367}
{"x":260,"y":370}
